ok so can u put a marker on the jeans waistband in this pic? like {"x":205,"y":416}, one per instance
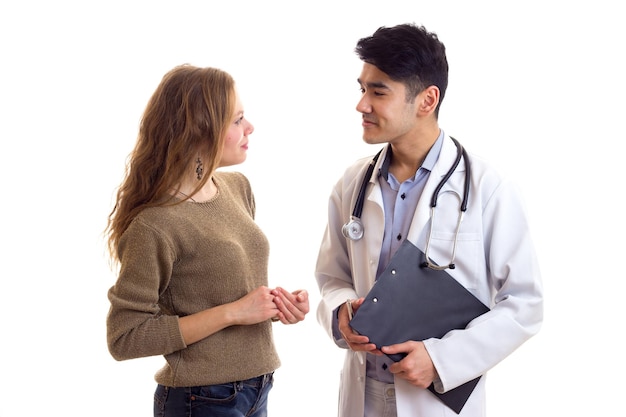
{"x":383,"y":389}
{"x":258,"y":381}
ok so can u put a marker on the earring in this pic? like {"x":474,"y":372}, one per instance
{"x":199,"y":168}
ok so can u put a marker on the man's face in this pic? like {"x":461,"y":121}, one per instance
{"x":387,"y":116}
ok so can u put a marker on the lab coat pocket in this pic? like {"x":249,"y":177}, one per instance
{"x":463,"y":250}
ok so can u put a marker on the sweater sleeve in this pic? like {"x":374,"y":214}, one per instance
{"x":136,"y":326}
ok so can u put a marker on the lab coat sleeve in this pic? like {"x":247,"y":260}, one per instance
{"x":334,"y":267}
{"x":332,"y":270}
{"x":507,"y":279}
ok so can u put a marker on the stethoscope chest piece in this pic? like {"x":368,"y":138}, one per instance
{"x":353,"y":230}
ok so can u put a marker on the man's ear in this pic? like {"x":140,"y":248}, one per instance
{"x":428,"y":100}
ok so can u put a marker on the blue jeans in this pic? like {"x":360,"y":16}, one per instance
{"x":380,"y":399}
{"x":234,"y":399}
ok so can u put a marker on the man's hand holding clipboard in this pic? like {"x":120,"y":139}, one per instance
{"x":355,"y":341}
{"x":410,"y":302}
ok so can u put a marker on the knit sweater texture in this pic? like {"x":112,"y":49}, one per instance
{"x":179,"y":260}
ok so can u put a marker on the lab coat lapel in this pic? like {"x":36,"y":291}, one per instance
{"x":418,"y":231}
{"x":374,"y":219}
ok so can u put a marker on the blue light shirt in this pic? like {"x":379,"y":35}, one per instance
{"x":400,"y":201}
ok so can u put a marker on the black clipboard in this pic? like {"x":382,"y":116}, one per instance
{"x":412,"y":302}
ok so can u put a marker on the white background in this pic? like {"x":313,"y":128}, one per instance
{"x":537,"y":87}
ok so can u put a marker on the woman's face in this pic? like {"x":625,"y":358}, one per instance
{"x":236,"y":142}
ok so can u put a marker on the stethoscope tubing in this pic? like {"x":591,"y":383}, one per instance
{"x":360,"y":200}
{"x":461,"y":153}
{"x":353,"y":230}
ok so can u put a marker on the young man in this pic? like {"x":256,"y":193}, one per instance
{"x":490,"y":252}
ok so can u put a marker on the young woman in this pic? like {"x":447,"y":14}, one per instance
{"x":192,"y":283}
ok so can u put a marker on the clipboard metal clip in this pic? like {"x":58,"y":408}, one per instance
{"x":350,"y":309}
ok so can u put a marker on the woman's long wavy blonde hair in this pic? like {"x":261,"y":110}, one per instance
{"x":186,"y":118}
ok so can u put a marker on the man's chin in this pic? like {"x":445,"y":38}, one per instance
{"x":372,"y":140}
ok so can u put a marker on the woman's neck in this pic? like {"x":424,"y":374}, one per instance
{"x":206,"y":193}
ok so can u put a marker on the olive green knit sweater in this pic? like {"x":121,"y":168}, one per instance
{"x":182,"y":259}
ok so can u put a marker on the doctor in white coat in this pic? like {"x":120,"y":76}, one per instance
{"x":403,"y":82}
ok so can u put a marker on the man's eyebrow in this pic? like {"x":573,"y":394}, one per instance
{"x":376,"y":84}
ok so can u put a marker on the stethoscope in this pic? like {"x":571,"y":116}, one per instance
{"x":354,"y":230}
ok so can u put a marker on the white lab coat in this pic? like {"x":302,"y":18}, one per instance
{"x":495,"y":260}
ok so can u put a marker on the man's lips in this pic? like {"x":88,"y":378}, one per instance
{"x":368,"y":122}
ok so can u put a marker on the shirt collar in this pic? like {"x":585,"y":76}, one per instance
{"x":429,"y":162}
